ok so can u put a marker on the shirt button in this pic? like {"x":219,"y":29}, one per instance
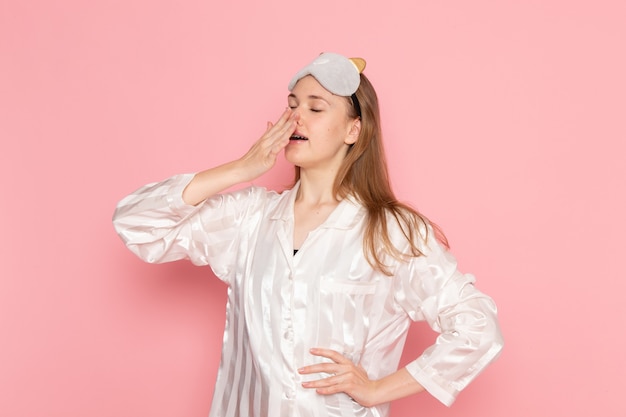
{"x":290,"y":394}
{"x":288,"y":335}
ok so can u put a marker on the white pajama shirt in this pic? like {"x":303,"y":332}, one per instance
{"x":327,"y":295}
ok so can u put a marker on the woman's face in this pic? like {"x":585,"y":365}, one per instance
{"x":324,"y":131}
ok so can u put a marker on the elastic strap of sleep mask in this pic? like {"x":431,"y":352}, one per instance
{"x":356,"y":104}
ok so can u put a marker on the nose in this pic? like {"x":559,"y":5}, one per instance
{"x":298,"y":116}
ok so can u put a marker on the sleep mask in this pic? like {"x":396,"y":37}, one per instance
{"x":336,"y":73}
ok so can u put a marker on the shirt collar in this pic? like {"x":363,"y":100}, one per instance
{"x":345,"y":216}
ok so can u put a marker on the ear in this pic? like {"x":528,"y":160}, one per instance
{"x":355,"y":130}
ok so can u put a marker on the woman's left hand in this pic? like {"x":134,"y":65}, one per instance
{"x":344,"y":377}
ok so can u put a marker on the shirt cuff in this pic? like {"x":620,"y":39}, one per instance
{"x":436,"y":386}
{"x":175,"y":187}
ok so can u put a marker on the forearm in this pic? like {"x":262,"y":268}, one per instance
{"x":258,"y":160}
{"x":212,"y":181}
{"x":398,"y":385}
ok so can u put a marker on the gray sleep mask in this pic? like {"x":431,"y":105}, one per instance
{"x":336,"y":73}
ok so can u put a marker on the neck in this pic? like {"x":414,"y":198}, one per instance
{"x":316,"y":187}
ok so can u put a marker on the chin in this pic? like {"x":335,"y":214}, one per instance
{"x":292,"y":159}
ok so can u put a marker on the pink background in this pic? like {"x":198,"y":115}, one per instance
{"x":504,"y":122}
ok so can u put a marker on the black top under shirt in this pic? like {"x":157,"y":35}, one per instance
{"x":295,"y":251}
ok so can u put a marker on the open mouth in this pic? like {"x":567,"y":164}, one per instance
{"x":298,"y":137}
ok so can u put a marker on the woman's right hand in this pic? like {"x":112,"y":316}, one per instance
{"x":258,"y":160}
{"x":262,"y":155}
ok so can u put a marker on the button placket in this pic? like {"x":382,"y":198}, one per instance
{"x":287,"y":345}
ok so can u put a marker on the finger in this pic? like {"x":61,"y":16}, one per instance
{"x":280,"y":131}
{"x":331,"y":381}
{"x":279,"y":139}
{"x":333,"y":355}
{"x":326,"y":368}
{"x":281,"y":126}
{"x":268,"y":127}
{"x":283,"y":133}
{"x":329,"y":390}
{"x":287,"y":124}
{"x":279,"y":147}
{"x":284,"y":118}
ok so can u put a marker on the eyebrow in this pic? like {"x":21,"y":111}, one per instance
{"x":310,"y":97}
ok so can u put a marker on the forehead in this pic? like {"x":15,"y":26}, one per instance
{"x":309,"y":86}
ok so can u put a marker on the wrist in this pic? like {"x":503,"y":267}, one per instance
{"x":240,"y":171}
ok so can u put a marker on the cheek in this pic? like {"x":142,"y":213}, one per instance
{"x":334,"y":134}
{"x":339,"y":125}
{"x":340,"y":130}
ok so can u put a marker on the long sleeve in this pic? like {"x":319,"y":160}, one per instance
{"x":281,"y":305}
{"x":155,"y":223}
{"x":433,"y":289}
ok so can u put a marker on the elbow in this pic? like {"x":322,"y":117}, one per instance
{"x":481,"y":330}
{"x":490,"y":341}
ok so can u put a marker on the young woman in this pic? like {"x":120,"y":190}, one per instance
{"x":324,"y":278}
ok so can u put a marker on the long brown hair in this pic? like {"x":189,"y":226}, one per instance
{"x":363,"y":174}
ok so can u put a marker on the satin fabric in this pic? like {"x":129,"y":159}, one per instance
{"x":326,"y":295}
